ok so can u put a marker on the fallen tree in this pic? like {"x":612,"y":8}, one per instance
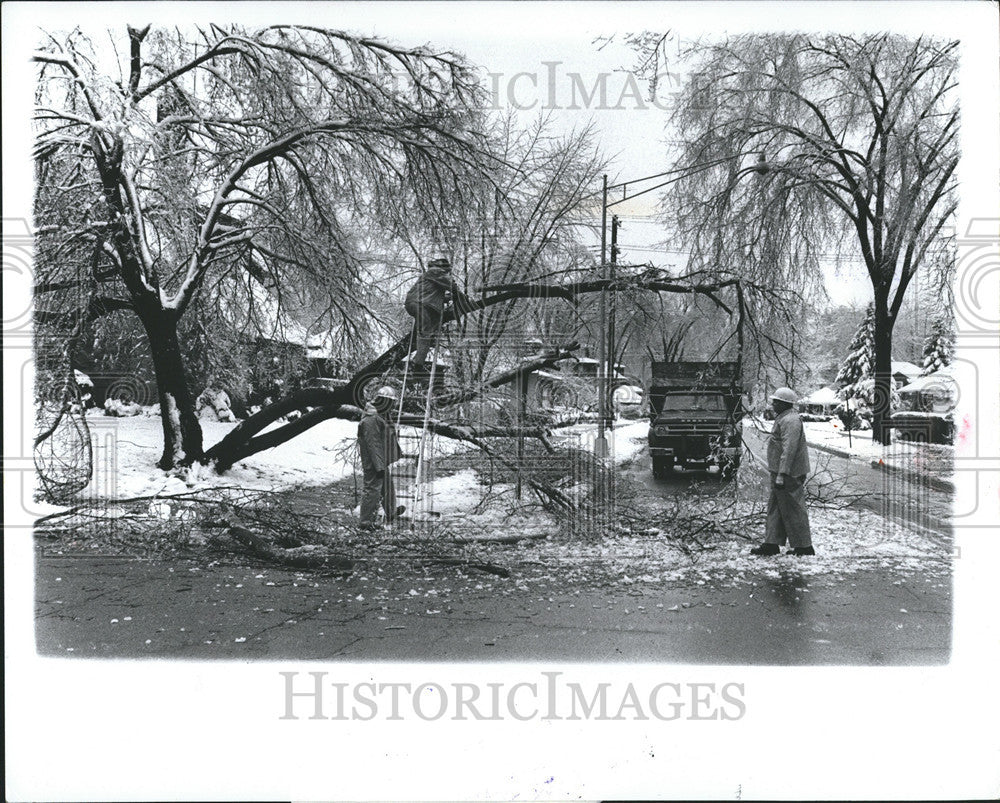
{"x":306,"y":556}
{"x":318,"y":405}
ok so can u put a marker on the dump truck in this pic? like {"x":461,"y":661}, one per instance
{"x":695,"y":412}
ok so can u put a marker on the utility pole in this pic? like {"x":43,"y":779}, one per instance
{"x":521,"y":387}
{"x":612,"y":345}
{"x":601,"y":445}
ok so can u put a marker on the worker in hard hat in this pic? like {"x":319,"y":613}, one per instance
{"x":788,"y":464}
{"x":425,"y":301}
{"x":379,"y":449}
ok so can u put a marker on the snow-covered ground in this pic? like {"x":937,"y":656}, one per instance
{"x":847,"y":540}
{"x":473,"y":510}
{"x":625,"y":440}
{"x":930,"y":458}
{"x":127,"y":448}
{"x":126,"y":451}
{"x":479,"y":509}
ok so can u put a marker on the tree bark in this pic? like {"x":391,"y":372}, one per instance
{"x":182,"y":439}
{"x":882,"y":401}
{"x":244,"y":439}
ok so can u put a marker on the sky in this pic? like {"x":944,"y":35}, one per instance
{"x":555,"y":60}
{"x":552,"y":61}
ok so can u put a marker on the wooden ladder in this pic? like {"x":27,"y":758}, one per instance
{"x":415,"y":480}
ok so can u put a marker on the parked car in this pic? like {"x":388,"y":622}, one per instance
{"x":911,"y":425}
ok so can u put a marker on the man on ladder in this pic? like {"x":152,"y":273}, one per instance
{"x":425,"y":302}
{"x":379,"y":449}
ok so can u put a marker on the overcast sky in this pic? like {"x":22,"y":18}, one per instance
{"x":549,"y":60}
{"x":542,"y":58}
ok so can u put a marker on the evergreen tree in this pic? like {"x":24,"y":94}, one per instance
{"x":939,"y":347}
{"x":860,"y":361}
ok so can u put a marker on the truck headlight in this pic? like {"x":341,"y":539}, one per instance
{"x":662,"y":430}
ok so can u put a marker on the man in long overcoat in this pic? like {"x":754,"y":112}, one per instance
{"x":788,"y":465}
{"x":379,"y":449}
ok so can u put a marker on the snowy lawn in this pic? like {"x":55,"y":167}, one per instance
{"x":130,"y":446}
{"x":324,"y":455}
{"x":928,"y":458}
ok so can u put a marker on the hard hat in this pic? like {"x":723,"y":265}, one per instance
{"x":386,"y":392}
{"x":785,"y":395}
{"x":439,"y":262}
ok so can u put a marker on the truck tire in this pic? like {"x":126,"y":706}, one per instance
{"x":662,"y":467}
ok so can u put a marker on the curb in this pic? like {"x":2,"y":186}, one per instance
{"x":936,"y":483}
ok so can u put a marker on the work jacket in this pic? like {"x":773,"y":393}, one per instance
{"x":430,"y":291}
{"x":377,"y":442}
{"x":787,"y":452}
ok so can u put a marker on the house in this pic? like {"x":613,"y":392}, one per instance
{"x":819,"y":403}
{"x":934,"y":393}
{"x":904,"y":372}
{"x":926,"y":406}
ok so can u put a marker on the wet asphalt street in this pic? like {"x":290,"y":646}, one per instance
{"x":107,"y":607}
{"x":100,"y":606}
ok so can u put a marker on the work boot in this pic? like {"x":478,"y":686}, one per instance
{"x":766,"y":549}
{"x":802,"y":550}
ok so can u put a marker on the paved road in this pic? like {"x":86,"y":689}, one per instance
{"x":103,"y":607}
{"x":905,"y":498}
{"x":118,"y":607}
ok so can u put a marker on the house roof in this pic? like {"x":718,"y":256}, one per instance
{"x":943,"y":378}
{"x":903,"y":367}
{"x":822,"y":396}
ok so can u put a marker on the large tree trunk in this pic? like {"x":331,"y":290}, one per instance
{"x":882,"y":401}
{"x":319,"y":405}
{"x":182,"y":441}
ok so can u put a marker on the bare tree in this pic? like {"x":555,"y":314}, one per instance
{"x":237,"y":164}
{"x":794,"y":146}
{"x":527,"y":223}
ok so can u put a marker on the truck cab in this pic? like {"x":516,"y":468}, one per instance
{"x":694,"y":421}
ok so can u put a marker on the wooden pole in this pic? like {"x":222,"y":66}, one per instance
{"x":601,"y":445}
{"x":612,"y":316}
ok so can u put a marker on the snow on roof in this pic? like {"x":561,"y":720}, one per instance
{"x":903,"y":367}
{"x":821,"y":396}
{"x":942,"y":379}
